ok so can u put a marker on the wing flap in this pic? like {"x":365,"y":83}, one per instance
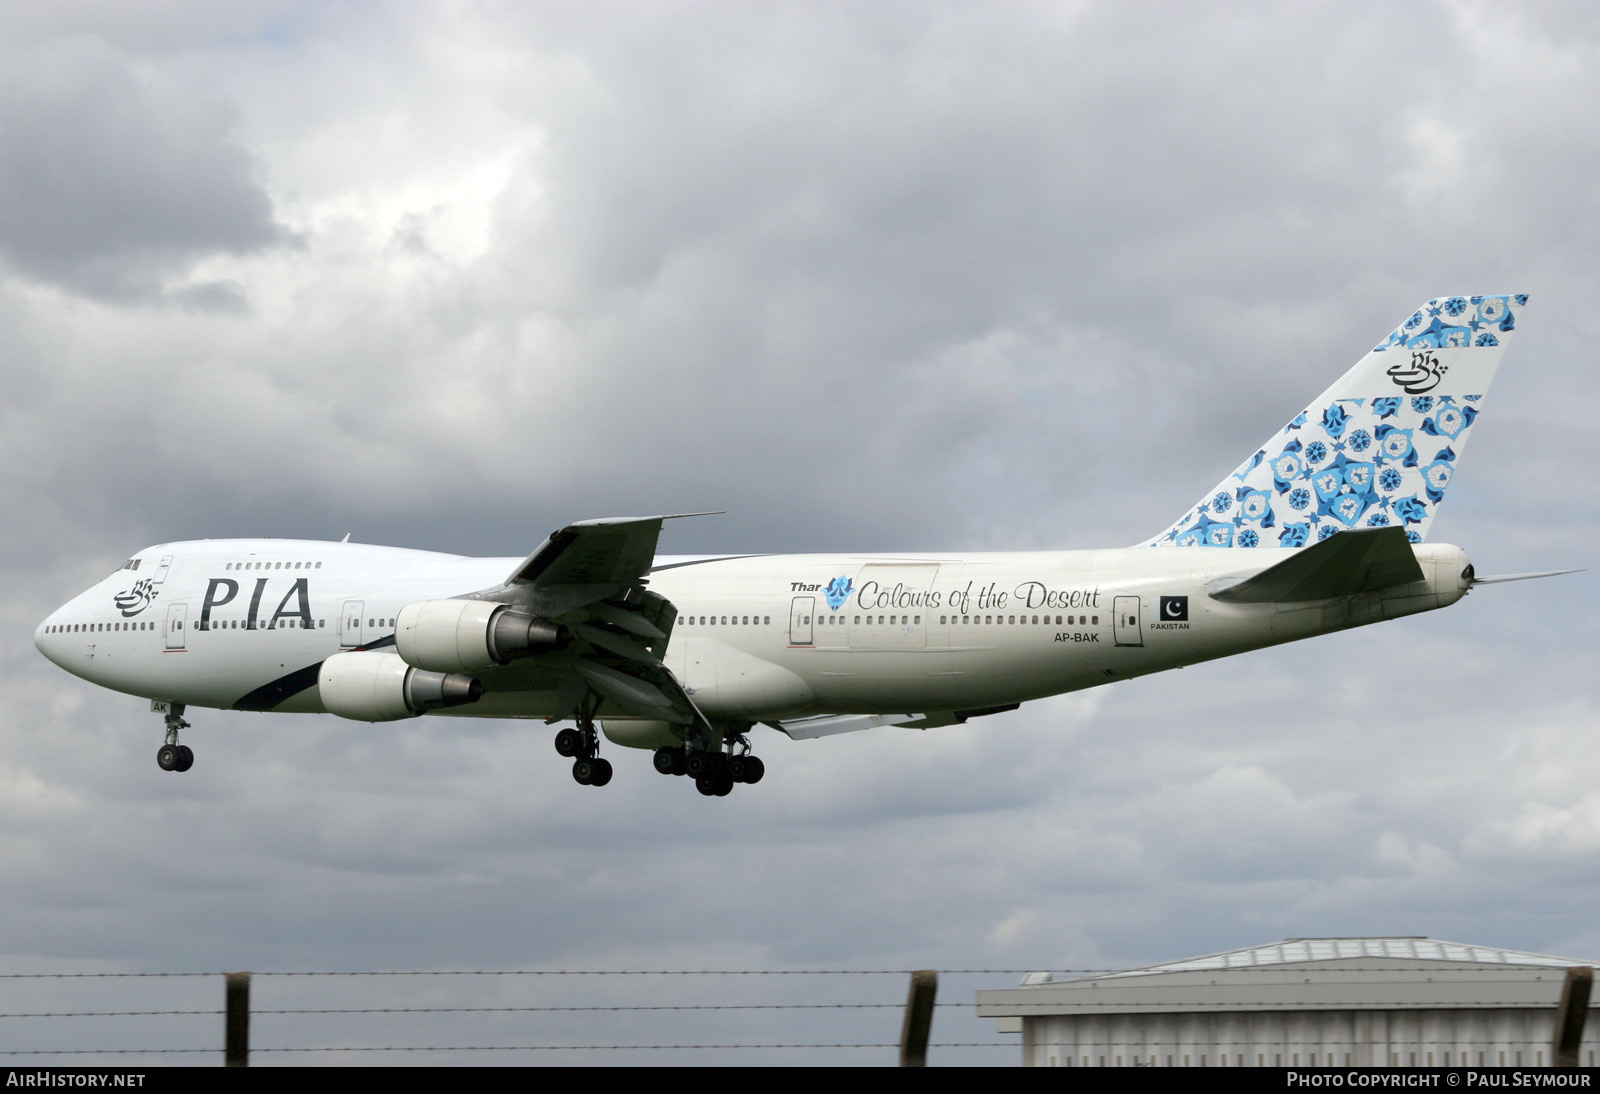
{"x":826,"y":725}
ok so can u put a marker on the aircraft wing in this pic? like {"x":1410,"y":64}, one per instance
{"x":617,"y":550}
{"x":591,"y":578}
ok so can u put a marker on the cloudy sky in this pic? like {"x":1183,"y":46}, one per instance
{"x":882,"y":276}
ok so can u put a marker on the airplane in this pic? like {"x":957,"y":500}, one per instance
{"x":1320,"y":529}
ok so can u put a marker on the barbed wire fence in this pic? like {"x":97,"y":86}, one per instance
{"x":557,"y":1016}
{"x":566,"y":1016}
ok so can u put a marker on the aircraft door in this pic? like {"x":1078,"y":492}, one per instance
{"x":1125,"y":622}
{"x":161,"y":569}
{"x":892,"y":598}
{"x":176,"y":614}
{"x":350,"y":628}
{"x":800,"y":613}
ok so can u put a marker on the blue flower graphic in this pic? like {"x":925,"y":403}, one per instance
{"x":1414,"y":321}
{"x":1334,"y":420}
{"x":1316,"y":452}
{"x":1325,"y":531}
{"x":1286,"y":468}
{"x":1220,"y":503}
{"x":1359,"y":441}
{"x":838,"y":591}
{"x":1447,"y":423}
{"x":1256,"y":504}
{"x":1414,"y":536}
{"x":1377,"y":520}
{"x":1299,"y":420}
{"x":1422,"y":404}
{"x":1493,"y":309}
{"x":1436,"y":476}
{"x":1248,"y":538}
{"x":1396,"y":445}
{"x":1455,"y":305}
{"x":1358,"y":476}
{"x":1390,"y":479}
{"x":1293,"y":535}
{"x":1487,"y":339}
{"x":1299,"y":498}
{"x":1411,"y":510}
{"x":1386,"y":407}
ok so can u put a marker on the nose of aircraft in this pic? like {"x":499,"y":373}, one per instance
{"x":42,"y":635}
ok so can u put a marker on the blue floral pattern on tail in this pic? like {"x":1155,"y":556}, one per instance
{"x":1366,"y":462}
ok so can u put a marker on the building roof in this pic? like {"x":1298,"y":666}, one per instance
{"x":1297,"y":950}
{"x":1303,"y":974}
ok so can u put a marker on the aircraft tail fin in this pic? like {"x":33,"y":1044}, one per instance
{"x":1377,"y":449}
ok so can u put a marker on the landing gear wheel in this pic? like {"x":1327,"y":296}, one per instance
{"x":707,"y":785}
{"x":724,"y":786}
{"x":599,"y":772}
{"x":700,"y":764}
{"x":669,"y":761}
{"x":569,"y":742}
{"x":168,"y":757}
{"x":746,"y":769}
{"x":185,"y":758}
{"x":583,"y":771}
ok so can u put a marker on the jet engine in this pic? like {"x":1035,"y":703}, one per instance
{"x":374,"y":686}
{"x":468,"y":635}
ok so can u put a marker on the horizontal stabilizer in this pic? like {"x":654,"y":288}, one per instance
{"x":1341,"y":565}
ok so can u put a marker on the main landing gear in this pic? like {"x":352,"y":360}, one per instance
{"x":714,"y":773}
{"x":172,"y":756}
{"x":582,"y":744}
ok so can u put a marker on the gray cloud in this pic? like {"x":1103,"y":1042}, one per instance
{"x":113,"y":181}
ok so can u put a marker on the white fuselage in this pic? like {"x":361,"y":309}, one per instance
{"x":245,"y":623}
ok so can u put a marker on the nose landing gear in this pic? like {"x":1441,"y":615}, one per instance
{"x":173,"y":756}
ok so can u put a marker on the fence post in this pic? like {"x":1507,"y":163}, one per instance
{"x":236,"y":1031}
{"x":1571,"y":1015}
{"x":919,"y":1018}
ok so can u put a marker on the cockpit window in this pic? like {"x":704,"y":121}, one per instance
{"x":131,"y":564}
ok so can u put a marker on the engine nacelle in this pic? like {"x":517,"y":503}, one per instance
{"x":468,"y":635}
{"x":377,"y":686}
